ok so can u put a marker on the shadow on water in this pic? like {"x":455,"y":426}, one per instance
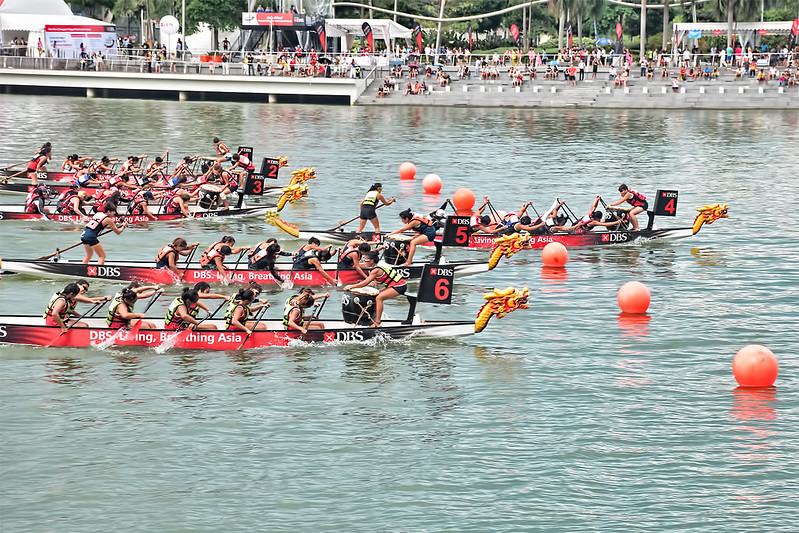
{"x":755,"y":409}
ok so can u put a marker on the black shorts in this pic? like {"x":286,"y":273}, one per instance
{"x":368,"y":212}
{"x":91,"y":241}
{"x":400,"y":288}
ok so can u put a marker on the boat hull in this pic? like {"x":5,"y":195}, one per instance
{"x":8,"y":212}
{"x":146,"y":272}
{"x":31,"y":331}
{"x":479,"y":241}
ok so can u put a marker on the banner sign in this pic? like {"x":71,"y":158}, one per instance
{"x":694,"y":34}
{"x":320,"y":31}
{"x":514,"y":31}
{"x":717,"y":32}
{"x":367,"y":32}
{"x":278,"y":20}
{"x":71,"y":40}
{"x":417,"y":33}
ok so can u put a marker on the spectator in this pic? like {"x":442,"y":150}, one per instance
{"x":675,"y":85}
{"x":225,"y":44}
{"x":261,"y":9}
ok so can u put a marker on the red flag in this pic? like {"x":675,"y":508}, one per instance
{"x":618,"y":30}
{"x":417,"y":32}
{"x":570,"y":33}
{"x":470,"y":35}
{"x":367,"y":31}
{"x":794,"y":33}
{"x":514,"y":31}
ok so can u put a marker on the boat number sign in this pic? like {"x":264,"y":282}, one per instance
{"x":436,"y":284}
{"x":457,"y":231}
{"x":666,"y":203}
{"x":269,"y":167}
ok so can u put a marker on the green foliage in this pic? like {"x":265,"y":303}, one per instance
{"x":219,"y":14}
{"x":777,"y":15}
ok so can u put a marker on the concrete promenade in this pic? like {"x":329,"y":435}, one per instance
{"x":724,"y":93}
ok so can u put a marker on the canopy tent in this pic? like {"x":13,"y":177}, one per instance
{"x":348,"y":29}
{"x":53,"y":22}
{"x":748,"y":32}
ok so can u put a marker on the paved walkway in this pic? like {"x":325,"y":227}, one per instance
{"x":723,"y":93}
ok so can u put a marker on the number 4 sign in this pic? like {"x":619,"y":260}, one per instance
{"x":666,"y":203}
{"x":436,"y":284}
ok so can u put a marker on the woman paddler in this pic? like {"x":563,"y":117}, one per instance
{"x":62,"y":307}
{"x":239,"y":311}
{"x":91,"y":233}
{"x":421,"y":225}
{"x":369,"y":206}
{"x":120,"y":312}
{"x":168,"y":255}
{"x":392,"y":281}
{"x":182,"y":312}
{"x":295,"y":320}
{"x":37,"y":164}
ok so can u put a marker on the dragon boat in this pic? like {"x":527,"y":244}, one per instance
{"x":31,"y":330}
{"x":457,"y":230}
{"x":146,"y":271}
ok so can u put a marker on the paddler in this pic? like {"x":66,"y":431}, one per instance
{"x":120,"y":312}
{"x":383,"y":274}
{"x":239,"y":311}
{"x":168,"y":255}
{"x":37,"y":164}
{"x":635,"y":199}
{"x":369,"y":206}
{"x":312,"y":259}
{"x":351,"y":255}
{"x":204,"y":291}
{"x":213,"y":258}
{"x":222,"y":150}
{"x":243,"y":163}
{"x":182,"y":312}
{"x":295,"y":319}
{"x":71,"y":202}
{"x":83,"y":285}
{"x":263,"y":257}
{"x":421,"y":225}
{"x":73,"y":163}
{"x":62,"y":307}
{"x":91,"y":233}
{"x":102,"y":166}
{"x":138,"y":204}
{"x":589,"y":221}
{"x":34,"y":202}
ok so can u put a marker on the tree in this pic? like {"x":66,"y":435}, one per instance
{"x":743,"y":9}
{"x":218,"y":14}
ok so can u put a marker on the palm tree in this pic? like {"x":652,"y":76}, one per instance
{"x":732,"y":9}
{"x":559,"y":9}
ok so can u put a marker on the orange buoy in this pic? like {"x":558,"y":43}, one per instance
{"x":407,"y":171}
{"x":555,"y":254}
{"x":633,"y":297}
{"x":463,"y":199}
{"x":431,"y":184}
{"x":755,"y":366}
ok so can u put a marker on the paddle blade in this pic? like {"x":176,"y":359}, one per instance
{"x":55,"y":339}
{"x":173,"y":341}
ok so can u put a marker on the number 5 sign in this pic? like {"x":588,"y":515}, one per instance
{"x":436,"y":284}
{"x":457,"y":231}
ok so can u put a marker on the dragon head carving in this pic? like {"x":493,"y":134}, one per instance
{"x":709,"y":214}
{"x":499,"y":303}
{"x":507,"y":246}
{"x":291,"y":193}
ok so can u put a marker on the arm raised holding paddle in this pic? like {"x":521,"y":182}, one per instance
{"x":369,"y":205}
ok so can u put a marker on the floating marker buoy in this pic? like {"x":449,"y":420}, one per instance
{"x":407,"y":171}
{"x":554,"y":254}
{"x":755,"y":366}
{"x":634,"y":298}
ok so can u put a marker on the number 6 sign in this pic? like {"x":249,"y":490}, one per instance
{"x":436,"y":284}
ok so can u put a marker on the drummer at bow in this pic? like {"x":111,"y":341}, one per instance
{"x":382,"y":274}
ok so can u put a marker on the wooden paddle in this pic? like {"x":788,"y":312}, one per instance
{"x":137,"y":326}
{"x":58,"y":252}
{"x":188,"y":261}
{"x":62,"y":333}
{"x":260,"y":313}
{"x":6,"y":178}
{"x":353,"y":219}
{"x":9,"y":167}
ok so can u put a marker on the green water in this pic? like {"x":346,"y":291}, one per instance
{"x":563,"y":417}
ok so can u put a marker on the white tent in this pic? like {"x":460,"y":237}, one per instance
{"x":27,"y":19}
{"x":747,"y":32}
{"x":348,"y":29}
